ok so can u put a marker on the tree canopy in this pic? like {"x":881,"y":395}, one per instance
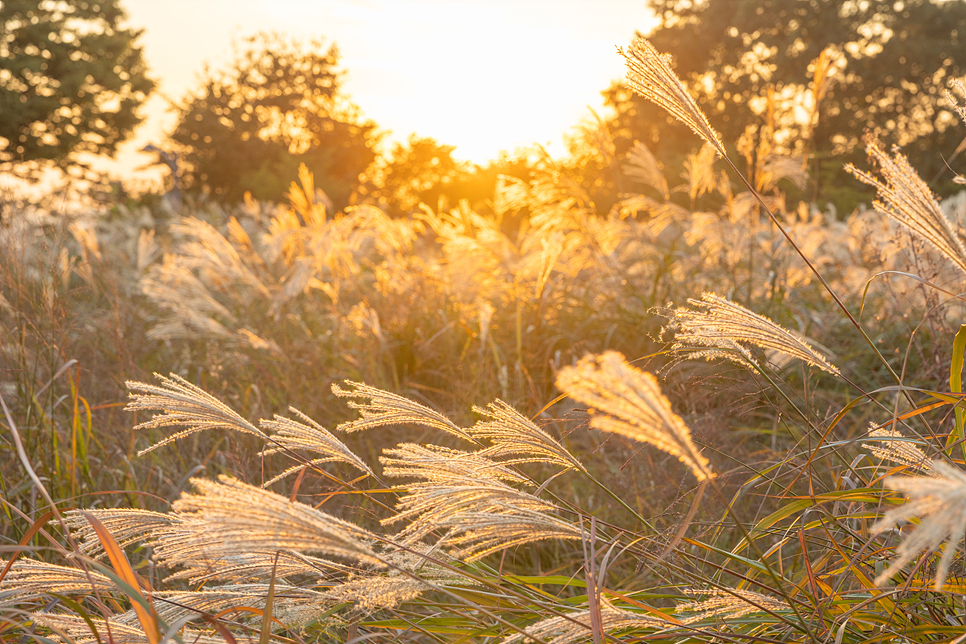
{"x":888,"y":64}
{"x":277,"y":105}
{"x":71,"y":80}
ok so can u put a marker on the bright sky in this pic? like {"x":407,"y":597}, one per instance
{"x":483,"y":75}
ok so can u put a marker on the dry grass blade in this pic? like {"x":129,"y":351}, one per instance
{"x":29,"y":579}
{"x":183,"y":403}
{"x":650,"y":75}
{"x":905,"y":197}
{"x":240,"y":518}
{"x":939,"y":501}
{"x":892,"y":446}
{"x":144,"y":610}
{"x":515,"y":436}
{"x":390,"y":409}
{"x":719,"y":326}
{"x":634,"y":407}
{"x":564,"y":630}
{"x":730,"y":603}
{"x":309,"y":436}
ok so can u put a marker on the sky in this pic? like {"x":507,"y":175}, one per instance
{"x":483,"y":75}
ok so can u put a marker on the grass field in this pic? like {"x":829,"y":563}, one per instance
{"x":524,"y":422}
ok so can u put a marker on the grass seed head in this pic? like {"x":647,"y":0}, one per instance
{"x":629,"y":402}
{"x":649,"y":74}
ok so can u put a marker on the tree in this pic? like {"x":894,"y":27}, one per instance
{"x":276,"y":106}
{"x":418,"y":171}
{"x":890,"y":62}
{"x":71,"y":80}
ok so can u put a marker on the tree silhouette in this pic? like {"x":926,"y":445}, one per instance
{"x":890,"y":60}
{"x":277,"y":105}
{"x":71,"y":80}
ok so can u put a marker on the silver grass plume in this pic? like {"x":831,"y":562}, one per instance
{"x":179,"y":542}
{"x":439,"y":464}
{"x":960,"y":109}
{"x":411,"y":573}
{"x":464,"y":493}
{"x":562,"y":629}
{"x":256,"y":566}
{"x":729,"y":603}
{"x":128,"y":526}
{"x":891,"y":445}
{"x":386,"y":408}
{"x":372,"y":593}
{"x":642,"y":166}
{"x":308,"y":436}
{"x":241,"y":518}
{"x":514,"y":435}
{"x":183,"y":403}
{"x":719,"y":326}
{"x":629,"y":402}
{"x":939,"y":500}
{"x":905,"y":197}
{"x":78,"y":631}
{"x":29,"y":579}
{"x":649,"y":74}
{"x":288,"y":607}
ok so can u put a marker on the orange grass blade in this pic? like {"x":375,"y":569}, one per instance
{"x":34,"y":529}
{"x":123,"y":569}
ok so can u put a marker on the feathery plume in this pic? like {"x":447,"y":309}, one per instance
{"x":371,"y":590}
{"x":29,"y":579}
{"x":443,"y":465}
{"x":905,"y":197}
{"x":896,"y":448}
{"x":78,"y":631}
{"x":634,"y":406}
{"x":182,"y":403}
{"x":562,"y":629}
{"x":939,"y":500}
{"x":252,"y":567}
{"x":650,"y":75}
{"x":241,"y":518}
{"x":288,"y":606}
{"x":390,"y":409}
{"x":465,"y":493}
{"x":960,"y":109}
{"x":377,"y":592}
{"x":309,"y":436}
{"x":514,"y":435}
{"x":127,"y":525}
{"x":720,"y":325}
{"x":642,"y":166}
{"x":731,"y":603}
{"x":700,"y":172}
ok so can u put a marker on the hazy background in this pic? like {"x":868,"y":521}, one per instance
{"x":484,"y":76}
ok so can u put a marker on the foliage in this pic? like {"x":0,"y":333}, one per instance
{"x":277,"y":105}
{"x":419,"y":171}
{"x":885,"y":67}
{"x":71,"y":80}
